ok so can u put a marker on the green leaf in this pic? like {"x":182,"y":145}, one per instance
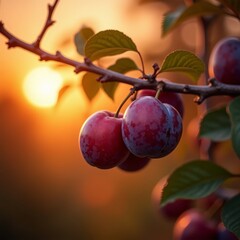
{"x":122,"y":65}
{"x":108,"y":43}
{"x":81,"y":37}
{"x":234,"y":111}
{"x":231,"y":215}
{"x":110,"y":88}
{"x":89,"y":84}
{"x":170,"y":20}
{"x":216,"y":125}
{"x":185,"y":62}
{"x":194,"y":180}
{"x":183,"y":13}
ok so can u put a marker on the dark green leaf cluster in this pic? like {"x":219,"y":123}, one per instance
{"x":223,"y":124}
{"x":231,"y":215}
{"x":201,"y":8}
{"x":200,"y":178}
{"x":105,"y":43}
{"x":194,"y":180}
{"x":112,"y":42}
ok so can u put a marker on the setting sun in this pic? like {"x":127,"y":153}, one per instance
{"x":41,"y":86}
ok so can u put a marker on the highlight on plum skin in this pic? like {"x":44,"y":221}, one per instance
{"x":147,"y":128}
{"x":224,"y":62}
{"x":193,"y":224}
{"x":101,"y":142}
{"x":172,"y":98}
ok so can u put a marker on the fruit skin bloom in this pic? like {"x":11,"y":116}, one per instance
{"x":172,"y":98}
{"x":100,"y":140}
{"x":147,"y":127}
{"x":192,"y":225}
{"x":224,"y":63}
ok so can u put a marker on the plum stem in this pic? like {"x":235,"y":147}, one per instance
{"x":132,"y":91}
{"x":159,"y":90}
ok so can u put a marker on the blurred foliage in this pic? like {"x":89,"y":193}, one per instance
{"x":47,"y":192}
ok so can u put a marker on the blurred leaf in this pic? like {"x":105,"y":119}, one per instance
{"x":183,"y":13}
{"x":234,"y":5}
{"x":231,"y":215}
{"x":81,"y":37}
{"x":170,"y":20}
{"x":122,"y":65}
{"x":110,"y":88}
{"x":185,"y":62}
{"x":216,"y":125}
{"x":234,"y":111}
{"x":62,"y":92}
{"x":90,"y":85}
{"x":108,"y":43}
{"x":194,"y":180}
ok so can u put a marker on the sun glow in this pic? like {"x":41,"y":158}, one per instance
{"x":41,"y":86}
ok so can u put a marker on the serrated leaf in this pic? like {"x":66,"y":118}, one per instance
{"x":216,"y":125}
{"x":194,"y":180}
{"x":81,"y":38}
{"x":185,"y":62}
{"x":234,"y":112}
{"x":183,"y":13}
{"x":231,"y":215}
{"x":170,"y":20}
{"x":108,"y":43}
{"x":90,"y":85}
{"x":123,"y":65}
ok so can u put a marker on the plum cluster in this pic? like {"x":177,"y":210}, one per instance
{"x":192,"y":219}
{"x":150,"y":128}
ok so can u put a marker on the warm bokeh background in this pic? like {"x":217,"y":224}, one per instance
{"x":47,"y":189}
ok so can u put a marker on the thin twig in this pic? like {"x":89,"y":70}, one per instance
{"x":49,"y":22}
{"x":214,"y":88}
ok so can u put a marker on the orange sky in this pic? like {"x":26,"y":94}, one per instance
{"x":25,"y":19}
{"x":41,"y":165}
{"x":40,"y":159}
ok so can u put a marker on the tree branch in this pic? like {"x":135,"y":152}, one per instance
{"x":49,"y":22}
{"x":202,"y":92}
